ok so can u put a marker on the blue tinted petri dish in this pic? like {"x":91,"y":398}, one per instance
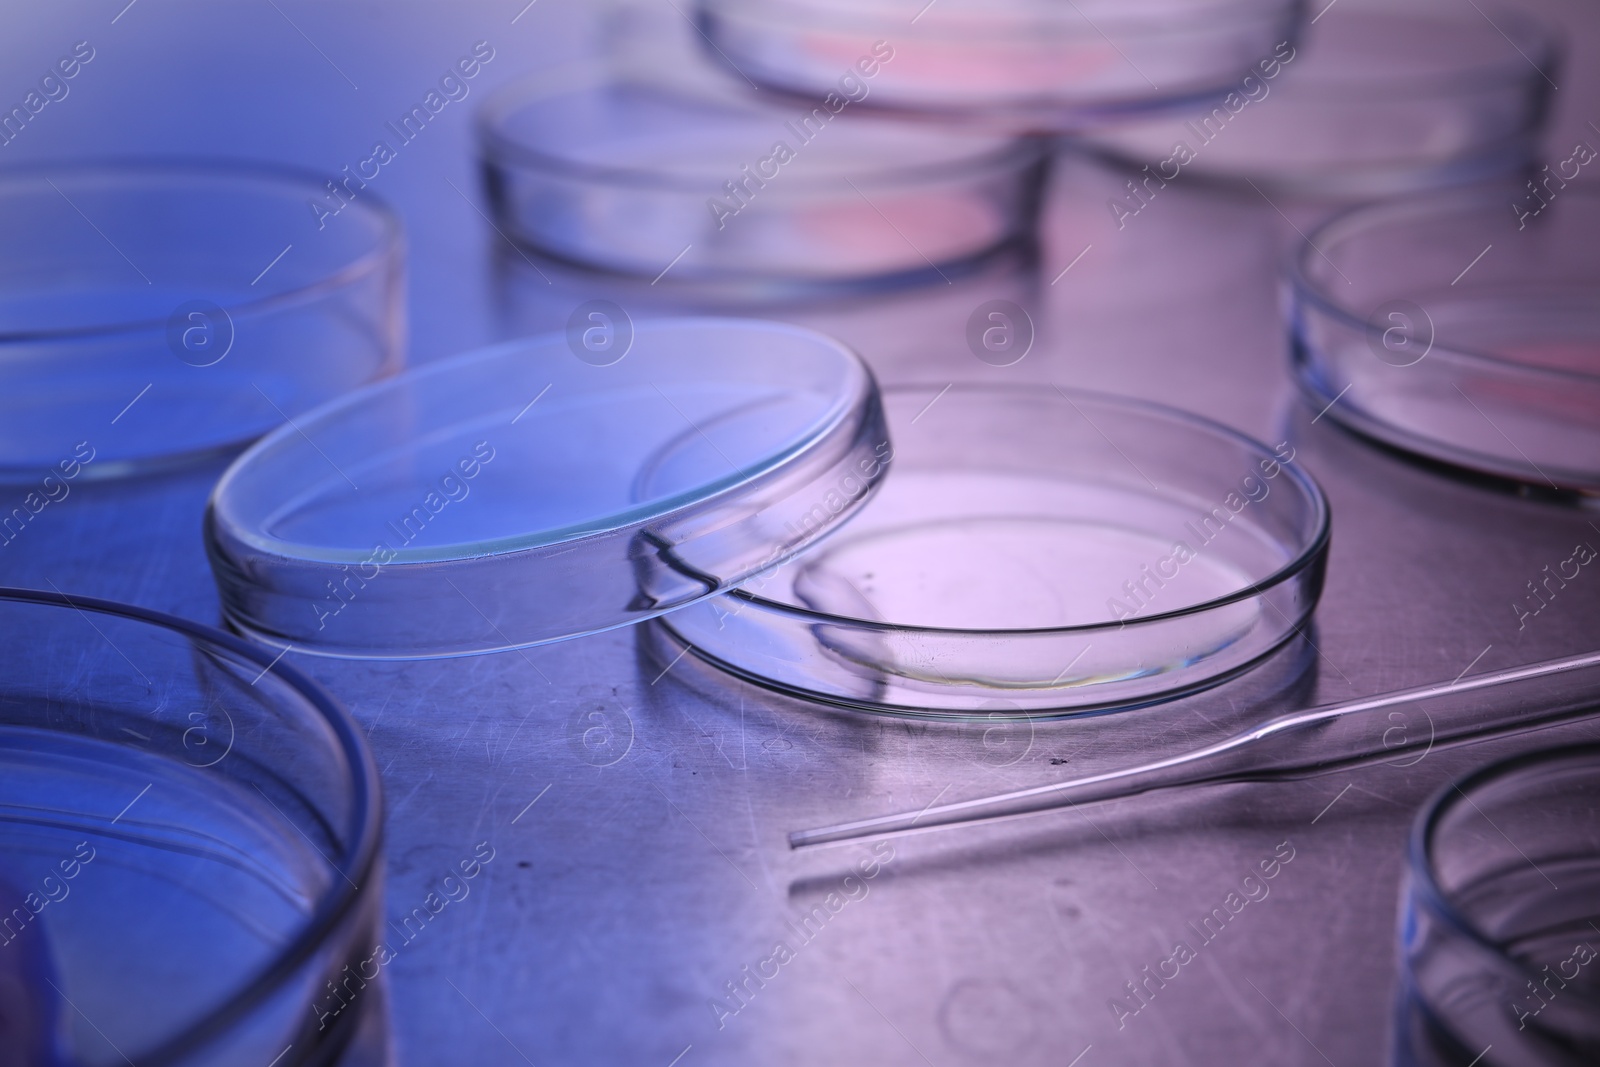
{"x":1034,"y":551}
{"x":155,"y":313}
{"x":189,"y":846}
{"x":1500,"y":959}
{"x":1003,"y":64}
{"x":1462,"y":326}
{"x":546,"y":488}
{"x":692,"y":186}
{"x":1371,"y":102}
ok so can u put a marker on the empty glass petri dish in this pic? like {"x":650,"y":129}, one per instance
{"x":1035,"y":550}
{"x":1027,"y":64}
{"x":155,"y":313}
{"x":189,"y":846}
{"x":545,"y":488}
{"x":1500,"y":955}
{"x":1371,"y":102}
{"x":685,"y":186}
{"x":1462,"y":326}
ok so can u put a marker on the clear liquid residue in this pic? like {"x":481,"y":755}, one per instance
{"x":992,"y":551}
{"x":980,"y":551}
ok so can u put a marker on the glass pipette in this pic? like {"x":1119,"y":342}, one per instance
{"x":1390,"y":727}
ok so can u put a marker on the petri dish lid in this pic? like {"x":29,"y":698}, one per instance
{"x":546,"y":488}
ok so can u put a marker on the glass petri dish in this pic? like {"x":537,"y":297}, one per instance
{"x":1037,"y":551}
{"x":1025,"y":64}
{"x":156,"y":313}
{"x":1500,"y":958}
{"x":189,"y":845}
{"x":685,"y":187}
{"x":1461,"y":326}
{"x":545,"y":488}
{"x":1371,"y":103}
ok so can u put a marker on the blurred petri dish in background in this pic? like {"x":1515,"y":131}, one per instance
{"x":1500,"y":958}
{"x":156,"y":313}
{"x":692,"y":187}
{"x":1060,"y":551}
{"x":1372,"y":102}
{"x":189,"y":845}
{"x":545,"y":488}
{"x":1020,"y":64}
{"x":1461,"y":326}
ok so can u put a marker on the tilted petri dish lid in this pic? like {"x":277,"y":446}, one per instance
{"x":1372,"y":102}
{"x":546,"y":488}
{"x":1015,"y":64}
{"x":1463,"y":327}
{"x":157,"y":312}
{"x":1034,"y":551}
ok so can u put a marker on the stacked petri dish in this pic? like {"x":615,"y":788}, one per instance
{"x":785,"y":154}
{"x":1062,"y":552}
{"x":544,"y":489}
{"x":1066,"y":551}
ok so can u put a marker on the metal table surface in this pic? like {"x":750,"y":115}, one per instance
{"x":637,"y":808}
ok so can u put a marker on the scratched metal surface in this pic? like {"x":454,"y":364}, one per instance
{"x":637,"y":814}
